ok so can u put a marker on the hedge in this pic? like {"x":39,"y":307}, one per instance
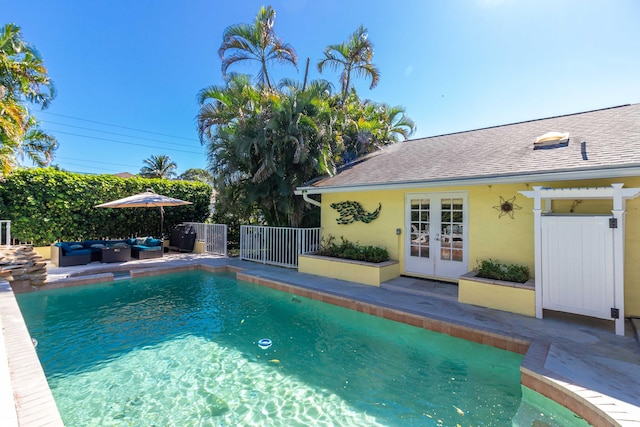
{"x":47,"y":205}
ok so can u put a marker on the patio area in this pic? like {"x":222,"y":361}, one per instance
{"x":573,"y":358}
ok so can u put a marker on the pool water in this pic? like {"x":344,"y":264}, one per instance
{"x":182,"y":350}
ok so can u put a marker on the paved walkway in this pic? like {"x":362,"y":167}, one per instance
{"x":580,"y":355}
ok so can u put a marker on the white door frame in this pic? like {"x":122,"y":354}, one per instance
{"x":434,"y":236}
{"x":619,"y":196}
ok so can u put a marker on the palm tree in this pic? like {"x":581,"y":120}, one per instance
{"x":257,"y":42}
{"x":23,"y":79}
{"x":262,"y":145}
{"x":352,"y":56}
{"x":222,"y":105}
{"x":399,"y":126}
{"x":159,"y":167}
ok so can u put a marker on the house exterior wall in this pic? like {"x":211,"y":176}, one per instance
{"x":490,"y":236}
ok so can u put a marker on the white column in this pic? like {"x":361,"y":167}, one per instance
{"x":537,"y":242}
{"x":618,"y":256}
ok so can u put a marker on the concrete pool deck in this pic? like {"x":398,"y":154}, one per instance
{"x":577,"y":361}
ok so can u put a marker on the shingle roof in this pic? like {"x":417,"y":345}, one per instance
{"x":611,"y":136}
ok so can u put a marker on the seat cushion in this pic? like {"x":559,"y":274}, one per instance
{"x":117,"y":245}
{"x":147,"y":248}
{"x":150,"y":241}
{"x":68,"y":247}
{"x":90,"y":243}
{"x":78,"y":252}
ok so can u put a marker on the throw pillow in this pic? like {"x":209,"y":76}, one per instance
{"x":150,"y":241}
{"x":76,"y":246}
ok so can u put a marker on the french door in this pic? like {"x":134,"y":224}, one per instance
{"x":436,"y":234}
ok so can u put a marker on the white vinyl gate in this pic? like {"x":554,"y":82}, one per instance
{"x":580,"y":259}
{"x":577,"y":265}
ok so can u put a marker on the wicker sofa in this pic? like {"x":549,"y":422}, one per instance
{"x":65,"y":254}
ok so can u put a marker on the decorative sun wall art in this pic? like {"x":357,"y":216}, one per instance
{"x":506,"y":207}
{"x":353,"y":211}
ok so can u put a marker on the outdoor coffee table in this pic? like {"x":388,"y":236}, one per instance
{"x":112,"y":254}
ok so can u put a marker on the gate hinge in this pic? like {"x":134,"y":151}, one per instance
{"x":615,"y":313}
{"x":613,"y":222}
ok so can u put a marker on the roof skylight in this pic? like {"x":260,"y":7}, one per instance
{"x":551,"y":140}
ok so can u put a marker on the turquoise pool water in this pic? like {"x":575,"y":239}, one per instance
{"x":182,"y":350}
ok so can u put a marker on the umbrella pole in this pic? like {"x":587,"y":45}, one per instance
{"x":161,"y":222}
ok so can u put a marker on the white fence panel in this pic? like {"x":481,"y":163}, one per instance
{"x":214,"y":237}
{"x":5,"y":232}
{"x":277,"y":245}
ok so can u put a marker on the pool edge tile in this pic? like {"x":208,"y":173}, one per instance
{"x":33,"y":401}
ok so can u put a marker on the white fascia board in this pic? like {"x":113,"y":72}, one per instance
{"x":621,"y":172}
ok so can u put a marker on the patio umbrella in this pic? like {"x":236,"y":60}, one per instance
{"x":148,"y":199}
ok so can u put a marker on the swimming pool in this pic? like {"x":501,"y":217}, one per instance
{"x":182,"y":349}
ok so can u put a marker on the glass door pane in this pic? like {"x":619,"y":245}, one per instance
{"x":420,"y":223}
{"x":451,"y":230}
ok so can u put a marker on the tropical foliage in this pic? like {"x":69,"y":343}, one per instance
{"x":160,"y":166}
{"x":351,"y":57}
{"x":257,"y":42}
{"x":23,"y":80}
{"x":265,"y":140}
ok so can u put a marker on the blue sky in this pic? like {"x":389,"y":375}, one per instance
{"x":127,"y":72}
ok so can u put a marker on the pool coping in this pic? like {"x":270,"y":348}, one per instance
{"x":35,"y":406}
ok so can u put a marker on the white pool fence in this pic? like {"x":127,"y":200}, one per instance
{"x":277,"y":245}
{"x":214,"y":237}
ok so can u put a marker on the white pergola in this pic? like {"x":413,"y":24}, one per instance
{"x":543,"y":196}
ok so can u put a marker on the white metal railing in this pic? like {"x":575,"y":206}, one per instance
{"x":5,"y":232}
{"x":214,"y":237}
{"x":277,"y":245}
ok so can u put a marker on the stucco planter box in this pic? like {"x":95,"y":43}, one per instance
{"x":367,"y":273}
{"x":507,"y":296}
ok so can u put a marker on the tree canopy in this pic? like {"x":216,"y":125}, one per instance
{"x":256,"y":42}
{"x":351,"y":57}
{"x":196,"y":174}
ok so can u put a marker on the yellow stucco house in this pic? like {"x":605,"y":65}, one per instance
{"x":558,"y":195}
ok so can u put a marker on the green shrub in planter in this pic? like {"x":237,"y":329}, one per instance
{"x":495,"y":270}
{"x":350,"y":250}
